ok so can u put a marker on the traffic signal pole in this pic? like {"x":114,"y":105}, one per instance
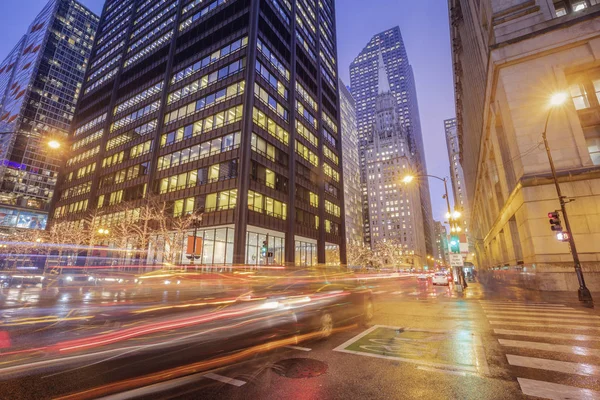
{"x":583,"y":292}
{"x":457,"y":272}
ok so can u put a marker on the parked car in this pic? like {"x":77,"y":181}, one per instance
{"x":440,"y":278}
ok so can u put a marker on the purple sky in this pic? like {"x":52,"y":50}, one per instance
{"x":424,"y":26}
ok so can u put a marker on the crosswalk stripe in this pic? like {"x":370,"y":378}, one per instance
{"x":577,"y":314}
{"x":515,"y":305}
{"x":553,"y":365}
{"x":548,"y":390}
{"x":559,"y":318}
{"x":379,"y":292}
{"x":397,"y":292}
{"x":538,"y":325}
{"x":547,"y":335}
{"x":557,"y":309}
{"x":225,"y":379}
{"x":558,"y":348}
{"x":520,"y":303}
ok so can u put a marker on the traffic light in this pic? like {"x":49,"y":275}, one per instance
{"x":555,"y":221}
{"x":454,"y":244}
{"x":264,"y":249}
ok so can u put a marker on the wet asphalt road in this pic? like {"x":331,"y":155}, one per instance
{"x":425,"y":343}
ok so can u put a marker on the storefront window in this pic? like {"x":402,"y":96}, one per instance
{"x":265,"y":248}
{"x":306,"y":253}
{"x":22,"y":219}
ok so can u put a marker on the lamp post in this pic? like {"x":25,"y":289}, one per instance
{"x":196,"y":223}
{"x":452,"y":218}
{"x":583,"y":292}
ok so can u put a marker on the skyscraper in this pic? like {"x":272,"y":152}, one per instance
{"x":40,"y":81}
{"x":441,"y":242}
{"x":364,"y":86}
{"x":351,"y":166}
{"x":457,"y":175}
{"x":227,"y":107}
{"x":395,"y":214}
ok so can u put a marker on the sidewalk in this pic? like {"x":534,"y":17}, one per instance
{"x":492,"y":289}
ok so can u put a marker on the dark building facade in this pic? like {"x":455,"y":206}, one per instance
{"x":40,"y":81}
{"x":228,"y":107}
{"x":364,"y":85}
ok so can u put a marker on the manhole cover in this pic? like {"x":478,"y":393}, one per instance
{"x":300,"y":368}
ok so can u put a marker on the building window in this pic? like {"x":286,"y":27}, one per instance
{"x":306,"y":253}
{"x":564,"y":7}
{"x":579,"y":96}
{"x":225,"y":200}
{"x":265,"y":248}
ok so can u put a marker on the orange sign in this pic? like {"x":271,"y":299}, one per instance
{"x":190,"y":245}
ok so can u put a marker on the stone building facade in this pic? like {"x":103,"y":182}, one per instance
{"x":509,"y":58}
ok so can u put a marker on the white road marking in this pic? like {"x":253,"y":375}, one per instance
{"x":546,"y":335}
{"x":225,"y":379}
{"x":380,"y":292}
{"x":542,"y":325}
{"x":518,"y":303}
{"x":445,"y":371}
{"x":482,"y":365}
{"x":552,"y":365}
{"x":155,"y":388}
{"x":298,"y":348}
{"x":564,"y":319}
{"x":576,"y":350}
{"x":547,"y":390}
{"x":342,"y":348}
{"x":507,"y":308}
{"x":412,"y":360}
{"x":576,"y":314}
{"x":400,"y":292}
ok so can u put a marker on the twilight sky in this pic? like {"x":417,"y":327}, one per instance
{"x":424,"y":26}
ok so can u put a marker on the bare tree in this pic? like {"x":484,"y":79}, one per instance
{"x":151,"y":218}
{"x":174,"y":231}
{"x":389,"y":254}
{"x":358,"y":254}
{"x":63,"y":236}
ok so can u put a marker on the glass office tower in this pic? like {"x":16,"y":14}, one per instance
{"x":40,"y":81}
{"x":229,"y":107}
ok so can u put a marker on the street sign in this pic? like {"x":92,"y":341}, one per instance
{"x":456,"y":260}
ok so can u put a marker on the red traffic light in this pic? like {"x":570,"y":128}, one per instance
{"x":555,"y":221}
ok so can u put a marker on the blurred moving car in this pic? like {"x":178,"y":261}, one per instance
{"x":320,"y":306}
{"x":440,"y":278}
{"x":422,"y":277}
{"x":20,"y":281}
{"x":67,"y":276}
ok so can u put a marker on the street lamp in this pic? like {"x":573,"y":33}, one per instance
{"x":583,"y":292}
{"x":408,"y":179}
{"x":54,"y":144}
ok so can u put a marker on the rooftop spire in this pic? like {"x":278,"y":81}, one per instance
{"x":384,"y":84}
